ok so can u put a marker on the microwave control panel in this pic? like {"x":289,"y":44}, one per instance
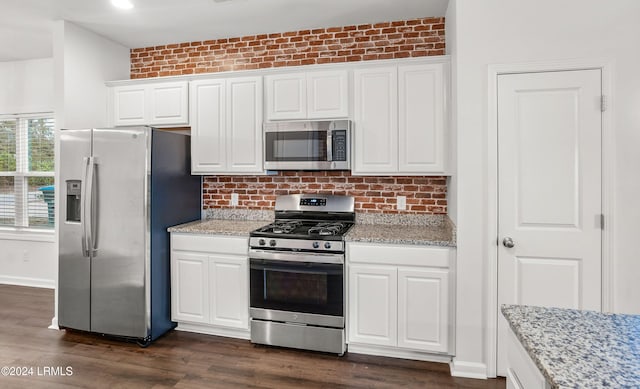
{"x":340,"y":145}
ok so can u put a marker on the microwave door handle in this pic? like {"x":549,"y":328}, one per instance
{"x":329,"y":145}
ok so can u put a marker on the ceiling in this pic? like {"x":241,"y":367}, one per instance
{"x":26,"y":25}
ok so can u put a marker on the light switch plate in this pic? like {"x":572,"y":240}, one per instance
{"x":401,"y":203}
{"x":234,"y":199}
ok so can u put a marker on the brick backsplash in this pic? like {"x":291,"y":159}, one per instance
{"x":385,"y":40}
{"x":425,"y":195}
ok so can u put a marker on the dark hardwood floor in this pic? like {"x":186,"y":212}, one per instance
{"x":185,"y":360}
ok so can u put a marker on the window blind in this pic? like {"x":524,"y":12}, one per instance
{"x":27,"y":171}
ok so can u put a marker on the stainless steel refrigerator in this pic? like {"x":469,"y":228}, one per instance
{"x":119,"y":191}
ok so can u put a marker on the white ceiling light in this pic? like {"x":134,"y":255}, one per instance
{"x":122,"y":4}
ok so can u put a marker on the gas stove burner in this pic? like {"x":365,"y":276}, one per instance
{"x":326,"y":229}
{"x":282,"y":227}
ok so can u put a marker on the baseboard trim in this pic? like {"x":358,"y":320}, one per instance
{"x":396,"y":353}
{"x":54,"y":324}
{"x":468,"y":369}
{"x":26,"y":281}
{"x":216,"y":331}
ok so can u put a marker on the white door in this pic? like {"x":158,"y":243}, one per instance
{"x":286,"y":96}
{"x":376,"y":120}
{"x":129,"y":105}
{"x":189,"y":287}
{"x":423,"y":309}
{"x":549,"y":190}
{"x":169,"y":103}
{"x":244,"y":125}
{"x":228,"y":291}
{"x":327,"y":94}
{"x":208,"y":126}
{"x":421,"y":115}
{"x":373,"y":305}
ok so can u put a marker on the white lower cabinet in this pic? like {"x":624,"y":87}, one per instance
{"x":399,"y":299}
{"x":210,"y":284}
{"x":522,"y":372}
{"x":373,"y":304}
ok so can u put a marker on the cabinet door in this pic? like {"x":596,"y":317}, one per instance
{"x":421,"y":118}
{"x":228,"y":291}
{"x":373,"y":307}
{"x":244,"y":125}
{"x":423,"y":309}
{"x":208,"y":131}
{"x":169,"y":103}
{"x":189,"y":291}
{"x":129,"y":105}
{"x":286,"y":96}
{"x":376,"y":121}
{"x":327,"y":94}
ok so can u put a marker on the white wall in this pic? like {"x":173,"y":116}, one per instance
{"x":83,"y":61}
{"x":507,"y":31}
{"x":27,"y":87}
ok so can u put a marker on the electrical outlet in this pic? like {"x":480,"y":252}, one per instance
{"x":401,"y":203}
{"x":234,"y":199}
{"x":25,"y":256}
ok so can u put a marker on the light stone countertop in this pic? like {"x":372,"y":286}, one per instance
{"x":579,"y":349}
{"x":434,"y":230}
{"x":430,"y":230}
{"x":219,"y":227}
{"x":442,"y":235}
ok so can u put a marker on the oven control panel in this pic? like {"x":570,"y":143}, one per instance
{"x":317,"y":202}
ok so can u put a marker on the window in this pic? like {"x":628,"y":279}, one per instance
{"x":27,"y":171}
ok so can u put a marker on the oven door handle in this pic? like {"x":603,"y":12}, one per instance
{"x":296,"y":257}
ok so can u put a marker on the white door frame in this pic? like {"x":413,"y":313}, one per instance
{"x":608,"y":176}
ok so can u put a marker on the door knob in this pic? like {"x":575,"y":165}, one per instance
{"x":508,"y":242}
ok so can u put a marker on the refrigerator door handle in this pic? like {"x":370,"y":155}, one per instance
{"x":83,"y":209}
{"x":90,"y":226}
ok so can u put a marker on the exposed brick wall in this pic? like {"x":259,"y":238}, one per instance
{"x":425,"y":195}
{"x":386,"y":40}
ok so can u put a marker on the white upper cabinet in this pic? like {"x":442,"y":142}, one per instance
{"x":400,"y":120}
{"x":129,"y":105}
{"x":327,"y":94}
{"x":169,"y":103}
{"x":226,"y":126}
{"x":156,"y":104}
{"x":286,"y":96}
{"x":376,"y":120}
{"x":208,"y":126}
{"x":421,"y":121}
{"x":307,"y":95}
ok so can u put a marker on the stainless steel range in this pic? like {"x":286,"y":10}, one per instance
{"x":297,"y":273}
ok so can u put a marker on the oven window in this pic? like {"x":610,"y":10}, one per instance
{"x":298,"y":287}
{"x":295,"y":287}
{"x":296,"y":146}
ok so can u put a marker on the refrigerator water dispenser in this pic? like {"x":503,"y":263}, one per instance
{"x":73,"y":200}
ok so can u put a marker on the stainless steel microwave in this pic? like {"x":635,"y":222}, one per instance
{"x":307,"y":145}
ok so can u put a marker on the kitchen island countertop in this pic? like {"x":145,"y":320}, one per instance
{"x":579,"y":349}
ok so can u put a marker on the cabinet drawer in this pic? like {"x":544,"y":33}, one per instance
{"x":398,"y":255}
{"x":210,"y":243}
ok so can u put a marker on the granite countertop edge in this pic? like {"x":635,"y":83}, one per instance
{"x":616,"y":335}
{"x":525,"y":344}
